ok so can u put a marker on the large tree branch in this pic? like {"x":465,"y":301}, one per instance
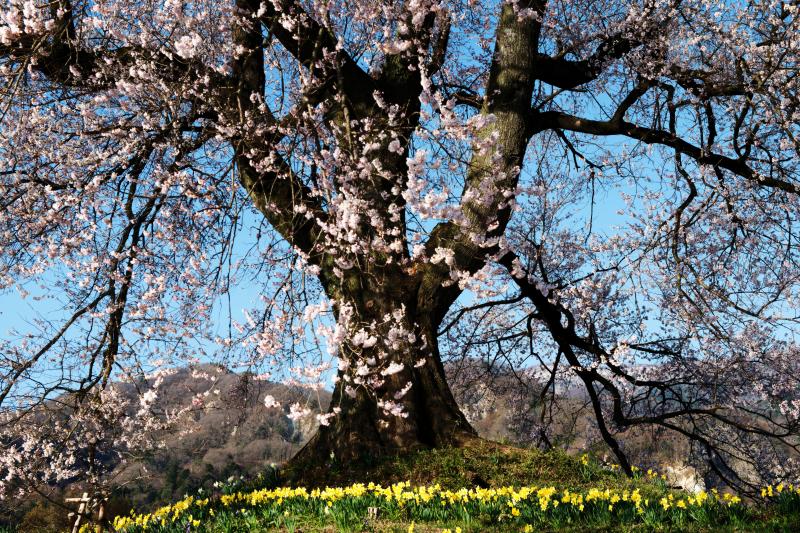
{"x":400,"y":78}
{"x":283,"y":199}
{"x":278,"y":193}
{"x":569,"y":74}
{"x":312,"y":45}
{"x":62,"y":58}
{"x":619,"y":126}
{"x":493,"y":173}
{"x":707,"y":84}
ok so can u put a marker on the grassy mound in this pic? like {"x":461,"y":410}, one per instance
{"x":482,"y":487}
{"x":481,"y":463}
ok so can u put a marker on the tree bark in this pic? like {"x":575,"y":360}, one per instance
{"x":360,"y":430}
{"x":422,"y":296}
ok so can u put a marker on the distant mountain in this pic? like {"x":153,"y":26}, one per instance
{"x":233,"y":434}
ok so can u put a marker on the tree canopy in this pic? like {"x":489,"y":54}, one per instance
{"x":592,"y":192}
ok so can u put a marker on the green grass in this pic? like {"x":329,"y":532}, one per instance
{"x":482,"y":463}
{"x":238,"y":509}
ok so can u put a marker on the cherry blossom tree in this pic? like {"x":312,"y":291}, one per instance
{"x":408,"y":175}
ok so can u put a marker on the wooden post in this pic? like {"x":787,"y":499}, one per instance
{"x":83,"y":500}
{"x":101,"y":513}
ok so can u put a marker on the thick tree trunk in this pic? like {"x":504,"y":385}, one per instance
{"x":362,"y":431}
{"x":384,"y":284}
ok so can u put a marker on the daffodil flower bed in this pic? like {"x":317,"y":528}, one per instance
{"x":509,"y":508}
